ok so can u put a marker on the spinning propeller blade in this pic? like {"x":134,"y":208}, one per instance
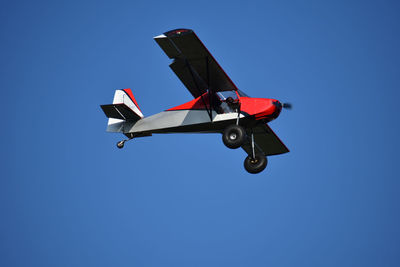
{"x":287,"y":105}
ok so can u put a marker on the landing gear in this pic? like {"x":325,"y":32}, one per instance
{"x":256,"y":161}
{"x":234,"y":136}
{"x":121,"y":144}
{"x":255,"y":164}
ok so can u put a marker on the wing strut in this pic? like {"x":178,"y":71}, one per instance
{"x":209,"y":109}
{"x":192,"y":73}
{"x":252,"y":144}
{"x":209,"y":91}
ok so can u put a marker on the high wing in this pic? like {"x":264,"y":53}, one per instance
{"x":193,"y":64}
{"x":266,"y":141}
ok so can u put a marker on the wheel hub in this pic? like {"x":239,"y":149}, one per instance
{"x":232,"y":136}
{"x":253,"y":161}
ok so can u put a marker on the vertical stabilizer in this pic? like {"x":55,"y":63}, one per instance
{"x":123,"y":109}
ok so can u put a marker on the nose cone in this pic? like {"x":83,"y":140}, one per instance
{"x":278,"y":108}
{"x":278,"y":105}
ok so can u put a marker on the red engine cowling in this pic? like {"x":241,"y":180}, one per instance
{"x":261,"y":108}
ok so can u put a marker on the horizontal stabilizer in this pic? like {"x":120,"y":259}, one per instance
{"x":120,"y":111}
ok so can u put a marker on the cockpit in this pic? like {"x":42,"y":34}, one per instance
{"x":226,"y":102}
{"x":221,"y":102}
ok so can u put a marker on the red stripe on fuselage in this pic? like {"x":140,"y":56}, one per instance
{"x":196,"y":103}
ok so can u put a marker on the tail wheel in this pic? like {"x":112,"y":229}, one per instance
{"x":120,"y":144}
{"x":256,"y":164}
{"x":234,"y":136}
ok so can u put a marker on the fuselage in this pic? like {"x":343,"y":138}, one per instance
{"x":207,"y":114}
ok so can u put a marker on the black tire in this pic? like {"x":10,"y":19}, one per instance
{"x":255,"y":165}
{"x":234,"y":136}
{"x":120,"y":144}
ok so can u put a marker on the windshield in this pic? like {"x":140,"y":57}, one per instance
{"x":228,"y":102}
{"x":225,"y":94}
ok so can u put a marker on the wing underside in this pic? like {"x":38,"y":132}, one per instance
{"x":193,"y":63}
{"x":266,"y":141}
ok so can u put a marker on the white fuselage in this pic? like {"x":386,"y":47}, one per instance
{"x":174,"y":121}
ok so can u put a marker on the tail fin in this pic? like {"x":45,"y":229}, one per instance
{"x":123,"y":109}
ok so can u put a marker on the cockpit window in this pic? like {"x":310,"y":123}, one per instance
{"x":229,"y":102}
{"x":225,"y":94}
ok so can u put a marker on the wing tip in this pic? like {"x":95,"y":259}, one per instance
{"x":174,"y":33}
{"x":160,"y":36}
{"x":177,"y":32}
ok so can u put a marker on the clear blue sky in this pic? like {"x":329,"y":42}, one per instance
{"x":69,"y":197}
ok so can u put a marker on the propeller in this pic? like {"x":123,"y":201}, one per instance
{"x":287,"y":105}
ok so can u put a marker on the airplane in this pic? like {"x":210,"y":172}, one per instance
{"x":218,"y":105}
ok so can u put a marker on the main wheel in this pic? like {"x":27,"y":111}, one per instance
{"x":255,"y":165}
{"x":234,"y":136}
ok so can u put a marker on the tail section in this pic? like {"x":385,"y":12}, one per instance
{"x":123,"y":109}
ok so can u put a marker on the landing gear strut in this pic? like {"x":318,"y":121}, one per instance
{"x":256,"y":162}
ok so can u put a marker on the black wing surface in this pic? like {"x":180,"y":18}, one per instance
{"x":193,"y":63}
{"x":266,"y":141}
